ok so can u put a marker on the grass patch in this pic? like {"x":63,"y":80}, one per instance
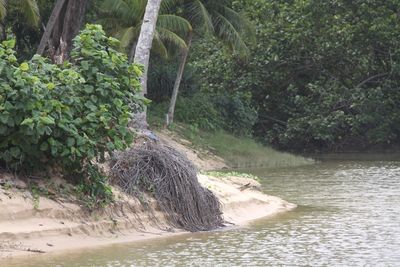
{"x":238,"y":152}
{"x":232,"y":173}
{"x":242,"y":152}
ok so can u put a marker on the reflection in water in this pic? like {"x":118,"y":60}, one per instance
{"x":348,"y":214}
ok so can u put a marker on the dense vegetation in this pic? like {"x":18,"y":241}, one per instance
{"x":66,"y":116}
{"x":322,"y":74}
{"x":299,"y":75}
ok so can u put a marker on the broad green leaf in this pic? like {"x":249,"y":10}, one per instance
{"x":24,"y":66}
{"x":47,"y":120}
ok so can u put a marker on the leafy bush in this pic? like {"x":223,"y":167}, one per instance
{"x":202,"y":110}
{"x":238,"y":113}
{"x":199,"y":110}
{"x":66,"y":115}
{"x":324,"y":75}
{"x":161,"y":80}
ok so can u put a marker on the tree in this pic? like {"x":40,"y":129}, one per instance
{"x":318,"y":79}
{"x":27,"y":8}
{"x":217,"y":18}
{"x":3,"y":10}
{"x":64,"y":24}
{"x":125,"y":17}
{"x":142,"y":52}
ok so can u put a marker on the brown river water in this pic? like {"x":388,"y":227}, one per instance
{"x":348,"y":215}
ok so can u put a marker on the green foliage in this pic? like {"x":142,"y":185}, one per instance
{"x":29,"y":10}
{"x":237,"y":112}
{"x":323,"y":74}
{"x":199,"y":111}
{"x":161,"y":79}
{"x":217,"y":18}
{"x":93,"y":188}
{"x":123,"y":18}
{"x":205,"y":111}
{"x":21,"y":21}
{"x":66,"y":115}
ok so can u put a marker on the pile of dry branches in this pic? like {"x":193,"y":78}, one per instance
{"x":166,"y":174}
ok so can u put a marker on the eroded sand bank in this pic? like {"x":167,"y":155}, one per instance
{"x":54,"y":226}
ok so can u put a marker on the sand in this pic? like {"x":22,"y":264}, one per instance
{"x":31,"y":226}
{"x":56,"y":226}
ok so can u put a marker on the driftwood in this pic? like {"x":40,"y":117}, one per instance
{"x":166,"y":174}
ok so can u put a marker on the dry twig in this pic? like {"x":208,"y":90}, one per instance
{"x":171,"y":178}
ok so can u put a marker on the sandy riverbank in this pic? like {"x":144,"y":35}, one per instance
{"x":30,"y":225}
{"x":55,"y":226}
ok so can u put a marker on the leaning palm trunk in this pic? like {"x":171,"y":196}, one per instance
{"x":184,"y":55}
{"x":142,"y":53}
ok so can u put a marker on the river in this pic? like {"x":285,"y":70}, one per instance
{"x":348,"y":215}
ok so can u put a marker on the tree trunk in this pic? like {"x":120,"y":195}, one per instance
{"x":184,"y":55}
{"x":132,"y":52}
{"x":49,"y":27}
{"x":3,"y":34}
{"x":142,"y":53}
{"x":64,"y":24}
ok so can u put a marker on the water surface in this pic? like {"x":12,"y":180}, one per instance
{"x":348,"y":215}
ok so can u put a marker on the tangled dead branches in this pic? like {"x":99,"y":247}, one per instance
{"x":171,"y":178}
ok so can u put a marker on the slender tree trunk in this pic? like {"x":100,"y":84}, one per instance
{"x":49,"y":27}
{"x":64,"y":24}
{"x":132,"y":52}
{"x":142,"y":53}
{"x":3,"y":34}
{"x":184,"y":55}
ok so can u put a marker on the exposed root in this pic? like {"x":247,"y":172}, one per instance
{"x":165,"y":173}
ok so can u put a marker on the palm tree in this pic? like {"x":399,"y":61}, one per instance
{"x":124,"y":19}
{"x":143,"y":25}
{"x":216,"y":18}
{"x":28,"y":8}
{"x":142,"y":52}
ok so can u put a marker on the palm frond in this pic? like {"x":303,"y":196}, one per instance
{"x":199,"y":15}
{"x":112,"y":24}
{"x":167,"y":6}
{"x":228,"y":33}
{"x":159,"y":46}
{"x":30,"y":10}
{"x":171,"y":37}
{"x":129,"y":11}
{"x":127,"y":36}
{"x":174,"y":23}
{"x":241,"y":23}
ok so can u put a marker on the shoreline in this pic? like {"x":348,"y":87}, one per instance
{"x":42,"y":226}
{"x":62,"y":227}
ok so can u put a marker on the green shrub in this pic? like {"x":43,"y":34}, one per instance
{"x":318,"y":79}
{"x":200,"y":111}
{"x":66,"y":115}
{"x":238,"y":113}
